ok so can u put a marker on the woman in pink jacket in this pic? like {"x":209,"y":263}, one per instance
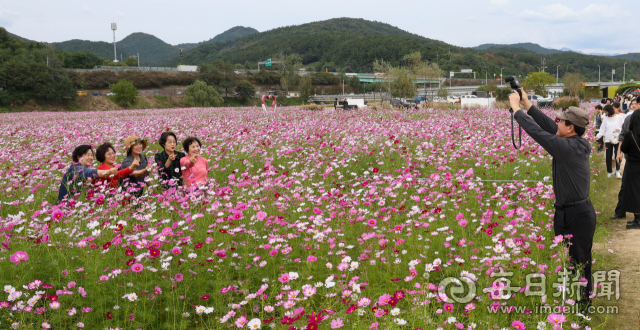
{"x":194,"y":167}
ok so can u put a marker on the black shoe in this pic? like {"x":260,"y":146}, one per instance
{"x":618,"y":216}
{"x":633,"y":225}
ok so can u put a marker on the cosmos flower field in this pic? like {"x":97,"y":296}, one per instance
{"x":311,"y":220}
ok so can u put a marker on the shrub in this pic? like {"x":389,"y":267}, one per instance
{"x":125,"y":92}
{"x":201,"y":95}
{"x":566,"y":101}
{"x":245,"y":90}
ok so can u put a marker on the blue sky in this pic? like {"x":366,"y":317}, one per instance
{"x":589,"y":26}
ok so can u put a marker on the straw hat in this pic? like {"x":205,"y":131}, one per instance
{"x":131,"y":140}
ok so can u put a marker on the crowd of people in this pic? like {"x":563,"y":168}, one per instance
{"x":617,"y":128}
{"x":174,"y":167}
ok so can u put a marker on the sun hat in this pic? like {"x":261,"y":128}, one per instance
{"x":575,"y":115}
{"x":131,"y":140}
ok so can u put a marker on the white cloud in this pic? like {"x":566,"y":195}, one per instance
{"x":7,"y":12}
{"x":86,"y":9}
{"x":119,"y":13}
{"x":561,"y":13}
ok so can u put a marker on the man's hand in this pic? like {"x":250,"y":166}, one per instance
{"x":525,"y":99}
{"x":514,"y":101}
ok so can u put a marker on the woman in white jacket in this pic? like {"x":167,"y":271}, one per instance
{"x":610,"y":128}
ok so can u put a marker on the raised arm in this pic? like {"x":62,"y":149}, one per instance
{"x":553,"y":144}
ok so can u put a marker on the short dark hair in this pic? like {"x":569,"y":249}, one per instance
{"x":164,"y":136}
{"x":609,"y":110}
{"x":79,"y":151}
{"x":189,"y":141}
{"x":598,"y":107}
{"x":616,"y":105}
{"x":102,"y":151}
{"x":579,"y":130}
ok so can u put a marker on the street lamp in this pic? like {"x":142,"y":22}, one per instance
{"x":624,"y":72}
{"x":557,"y":74}
{"x":501,"y":77}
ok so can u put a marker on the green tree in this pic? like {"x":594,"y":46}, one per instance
{"x":245,"y":90}
{"x":354,"y":83}
{"x":288,"y":67}
{"x":443,"y":91}
{"x":573,"y":84}
{"x":201,"y":95}
{"x":402,"y":86}
{"x":227,"y":74}
{"x":305,"y":88}
{"x":209,"y":74}
{"x":131,"y":61}
{"x":125,"y":92}
{"x":538,"y":82}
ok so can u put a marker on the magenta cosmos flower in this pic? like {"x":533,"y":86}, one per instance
{"x":19,"y":256}
{"x":178,"y":277}
{"x":137,"y":267}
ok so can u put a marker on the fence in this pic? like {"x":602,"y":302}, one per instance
{"x":131,"y":68}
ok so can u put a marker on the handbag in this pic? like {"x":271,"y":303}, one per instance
{"x":634,"y":140}
{"x":614,"y":139}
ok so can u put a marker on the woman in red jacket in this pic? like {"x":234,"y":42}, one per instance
{"x":106,"y":154}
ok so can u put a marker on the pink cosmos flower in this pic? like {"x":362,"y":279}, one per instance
{"x":373,"y":326}
{"x":241,"y":321}
{"x":284,"y":278}
{"x":463,"y":222}
{"x":337,"y":324}
{"x":556,"y":318}
{"x":80,"y":325}
{"x":137,"y":268}
{"x":317,"y":210}
{"x":178,"y":277}
{"x":384,"y":300}
{"x":312,"y":259}
{"x":261,"y":215}
{"x":18,"y":257}
{"x":518,"y":325}
{"x":372,"y":222}
{"x":176,"y":250}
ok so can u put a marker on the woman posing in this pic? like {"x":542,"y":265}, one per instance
{"x":79,"y":172}
{"x":169,"y":160}
{"x":106,"y":155}
{"x":135,"y":146}
{"x":195,"y":167}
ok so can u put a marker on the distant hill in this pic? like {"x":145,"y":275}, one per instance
{"x":231,"y":34}
{"x":152,"y":50}
{"x":100,"y":48}
{"x":354,"y":44}
{"x":526,"y":45}
{"x":630,"y":56}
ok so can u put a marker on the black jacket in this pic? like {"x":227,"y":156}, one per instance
{"x":172,"y":172}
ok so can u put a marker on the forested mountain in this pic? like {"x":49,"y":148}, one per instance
{"x":354,"y":44}
{"x":100,"y":48}
{"x":526,"y":45}
{"x":152,"y":50}
{"x":231,"y":34}
{"x":629,"y":56}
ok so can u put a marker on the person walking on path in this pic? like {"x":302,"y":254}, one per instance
{"x":610,"y":129}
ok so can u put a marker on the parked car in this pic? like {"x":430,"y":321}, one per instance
{"x":96,"y":93}
{"x":109,"y":94}
{"x":82,"y":93}
{"x":453,"y":100}
{"x":540,"y":101}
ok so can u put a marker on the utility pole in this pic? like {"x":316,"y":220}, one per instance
{"x":557,"y":74}
{"x":598,"y":73}
{"x":114,"y":27}
{"x":138,"y":57}
{"x":501,"y":84}
{"x":342,"y":86}
{"x":613,"y":71}
{"x":624,"y":72}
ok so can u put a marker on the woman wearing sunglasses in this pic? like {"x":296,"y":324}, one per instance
{"x":135,"y":181}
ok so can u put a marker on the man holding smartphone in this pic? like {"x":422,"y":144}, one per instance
{"x":574,"y":215}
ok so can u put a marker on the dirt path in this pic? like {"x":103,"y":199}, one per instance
{"x":615,"y":247}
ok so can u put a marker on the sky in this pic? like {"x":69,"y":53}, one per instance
{"x":584,"y":25}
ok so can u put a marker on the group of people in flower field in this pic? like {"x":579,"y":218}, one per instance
{"x":618,"y":133}
{"x":176,"y":168}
